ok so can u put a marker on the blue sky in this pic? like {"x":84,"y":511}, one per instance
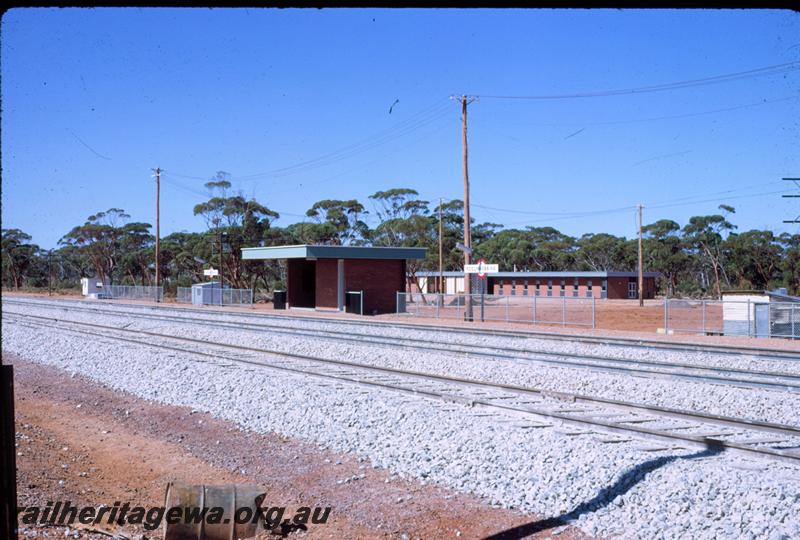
{"x":299,"y":100}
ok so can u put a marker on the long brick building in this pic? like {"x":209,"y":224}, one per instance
{"x":619,"y":285}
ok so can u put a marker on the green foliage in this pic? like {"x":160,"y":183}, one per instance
{"x":705,"y":256}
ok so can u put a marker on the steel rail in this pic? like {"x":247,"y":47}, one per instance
{"x":763,"y":352}
{"x":564,"y":418}
{"x":716,"y":375}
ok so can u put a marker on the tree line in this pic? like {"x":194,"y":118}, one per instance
{"x":700,"y":258}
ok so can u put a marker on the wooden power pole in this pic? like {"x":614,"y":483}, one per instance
{"x":158,"y":229}
{"x":467,"y":231}
{"x":641,"y":261}
{"x":441,"y":273}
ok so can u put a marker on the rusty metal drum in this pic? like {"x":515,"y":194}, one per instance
{"x":240,"y":505}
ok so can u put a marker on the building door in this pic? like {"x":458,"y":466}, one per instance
{"x":762,"y":320}
{"x":633,"y":290}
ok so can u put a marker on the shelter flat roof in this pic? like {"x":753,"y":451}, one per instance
{"x":307,"y":251}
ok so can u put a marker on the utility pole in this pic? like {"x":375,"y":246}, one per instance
{"x":158,"y":229}
{"x":797,"y":182}
{"x":49,"y":273}
{"x":641,"y":261}
{"x":221,"y":282}
{"x":467,"y":232}
{"x":441,"y":273}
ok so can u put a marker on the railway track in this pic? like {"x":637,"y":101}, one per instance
{"x":744,"y":378}
{"x":540,"y":409}
{"x":765,"y":353}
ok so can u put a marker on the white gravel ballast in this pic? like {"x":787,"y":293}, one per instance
{"x":622,"y":489}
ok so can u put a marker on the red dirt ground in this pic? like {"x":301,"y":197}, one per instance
{"x":79,"y":441}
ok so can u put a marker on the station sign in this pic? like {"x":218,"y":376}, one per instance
{"x":481,"y":268}
{"x":211,"y":272}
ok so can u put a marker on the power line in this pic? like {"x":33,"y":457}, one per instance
{"x":512,"y":211}
{"x":656,"y":118}
{"x":578,"y":215}
{"x":777,"y":69}
{"x":415,"y":122}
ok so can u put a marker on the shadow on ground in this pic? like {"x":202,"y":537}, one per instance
{"x":604,"y":497}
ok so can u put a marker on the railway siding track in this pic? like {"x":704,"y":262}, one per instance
{"x":744,"y":378}
{"x":765,"y":353}
{"x":676,"y":428}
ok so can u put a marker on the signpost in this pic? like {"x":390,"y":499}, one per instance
{"x":481,"y":268}
{"x":211,"y":272}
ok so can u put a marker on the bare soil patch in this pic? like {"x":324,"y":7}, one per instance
{"x":82,"y":442}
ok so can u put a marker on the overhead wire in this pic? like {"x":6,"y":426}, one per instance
{"x":777,"y":69}
{"x":411,"y":124}
{"x":656,"y":118}
{"x":578,"y":215}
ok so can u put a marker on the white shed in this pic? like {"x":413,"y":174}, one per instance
{"x":93,"y":287}
{"x":207,"y":293}
{"x":761,"y":314}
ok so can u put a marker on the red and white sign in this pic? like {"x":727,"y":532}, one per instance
{"x":481,"y":268}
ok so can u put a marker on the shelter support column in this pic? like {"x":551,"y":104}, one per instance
{"x":340,"y":284}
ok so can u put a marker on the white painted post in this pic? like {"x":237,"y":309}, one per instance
{"x":507,"y":298}
{"x":594,"y":307}
{"x":439,"y":300}
{"x":704,"y":316}
{"x":666,"y":315}
{"x":564,"y":311}
{"x":534,"y":308}
{"x":748,"y":318}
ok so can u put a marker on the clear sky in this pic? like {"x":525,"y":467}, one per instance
{"x":295,"y":105}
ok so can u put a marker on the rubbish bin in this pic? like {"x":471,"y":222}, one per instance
{"x":279,"y":299}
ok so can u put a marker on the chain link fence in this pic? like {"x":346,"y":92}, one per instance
{"x":674,"y":315}
{"x":733,"y":318}
{"x":136,"y":292}
{"x":214,"y":296}
{"x":565,"y":310}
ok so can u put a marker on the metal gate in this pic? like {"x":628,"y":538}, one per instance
{"x":762,"y":320}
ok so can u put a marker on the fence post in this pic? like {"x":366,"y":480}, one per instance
{"x":563,"y":311}
{"x":594,"y":307}
{"x":769,"y":319}
{"x":794,"y":336}
{"x":534,"y":309}
{"x":704,"y":316}
{"x":507,"y":299}
{"x":666,"y":315}
{"x":748,"y":318}
{"x":438,"y":302}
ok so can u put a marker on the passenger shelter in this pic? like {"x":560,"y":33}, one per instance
{"x":320,"y":277}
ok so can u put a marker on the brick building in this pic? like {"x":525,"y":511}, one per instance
{"x":615,"y":285}
{"x":320,"y":277}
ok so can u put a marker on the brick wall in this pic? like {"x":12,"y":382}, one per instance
{"x":379,"y":279}
{"x":326,"y":283}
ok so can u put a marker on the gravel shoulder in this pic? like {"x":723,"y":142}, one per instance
{"x":724,"y":400}
{"x":628,"y":489}
{"x":80,"y":441}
